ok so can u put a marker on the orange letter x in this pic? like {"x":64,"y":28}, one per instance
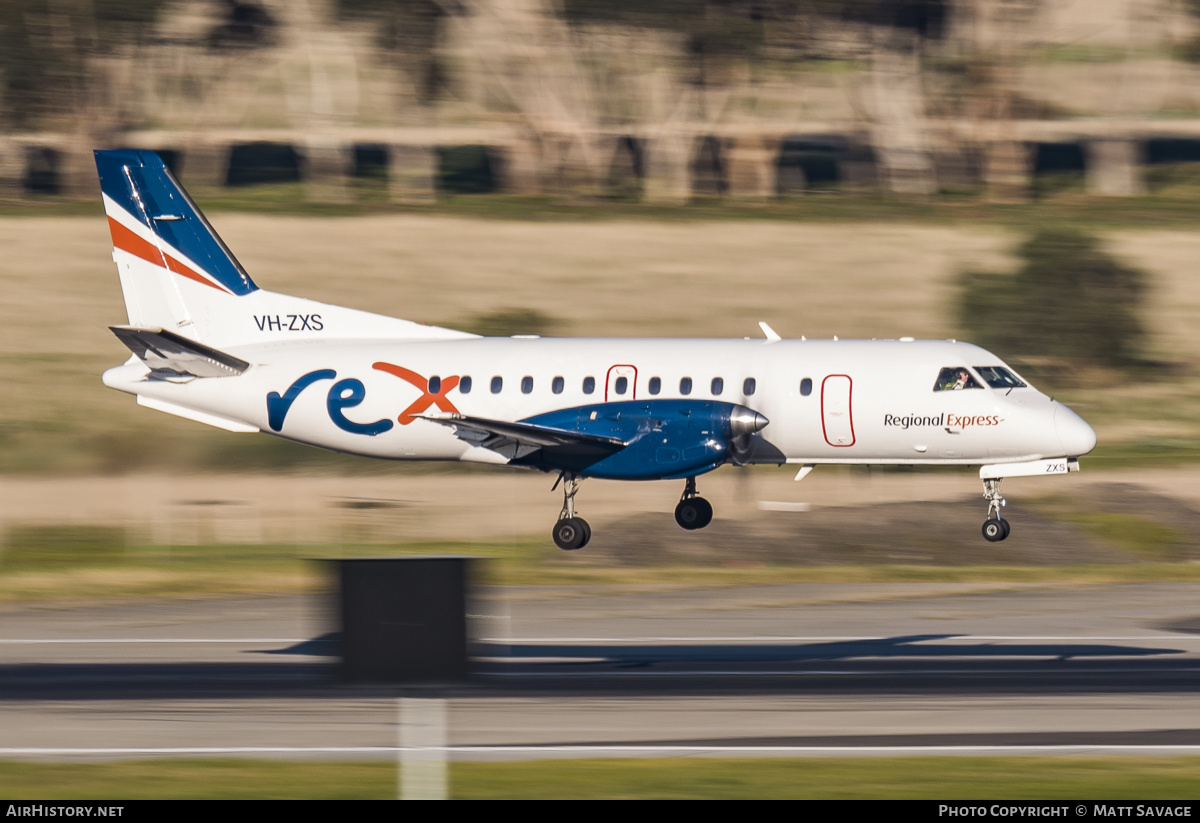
{"x":425,"y":400}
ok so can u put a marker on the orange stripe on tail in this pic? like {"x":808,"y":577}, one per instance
{"x":129,"y":241}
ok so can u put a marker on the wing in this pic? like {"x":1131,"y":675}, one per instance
{"x":536,"y":445}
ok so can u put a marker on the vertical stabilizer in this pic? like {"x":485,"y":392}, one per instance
{"x":177,"y":275}
{"x":160,"y":240}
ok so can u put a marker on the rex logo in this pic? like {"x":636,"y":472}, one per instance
{"x":427,"y":397}
{"x":350,"y":392}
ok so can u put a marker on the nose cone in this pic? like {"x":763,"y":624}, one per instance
{"x":1076,"y":436}
{"x":744,"y":421}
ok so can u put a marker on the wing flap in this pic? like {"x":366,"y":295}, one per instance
{"x":559,"y":447}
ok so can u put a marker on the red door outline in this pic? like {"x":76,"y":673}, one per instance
{"x":609,"y":378}
{"x":849,"y":410}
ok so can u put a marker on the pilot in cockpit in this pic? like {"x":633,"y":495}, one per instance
{"x":954,"y":379}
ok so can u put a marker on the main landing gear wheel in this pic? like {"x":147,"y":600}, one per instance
{"x":572,"y":533}
{"x":996,"y":530}
{"x":693,"y":511}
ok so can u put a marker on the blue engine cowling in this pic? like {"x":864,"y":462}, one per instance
{"x":665,"y":439}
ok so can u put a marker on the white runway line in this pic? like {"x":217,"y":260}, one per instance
{"x":819,"y":672}
{"x":954,"y":639}
{"x":921,"y":639}
{"x":69,"y":641}
{"x":567,"y":749}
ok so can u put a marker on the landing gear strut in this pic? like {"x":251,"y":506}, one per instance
{"x":570,"y":532}
{"x":693,"y":511}
{"x":995,"y":528}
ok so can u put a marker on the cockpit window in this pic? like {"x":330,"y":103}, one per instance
{"x":953,"y":378}
{"x":999,"y":378}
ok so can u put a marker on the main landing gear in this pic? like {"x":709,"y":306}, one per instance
{"x":995,"y":528}
{"x":693,"y":511}
{"x":570,"y":532}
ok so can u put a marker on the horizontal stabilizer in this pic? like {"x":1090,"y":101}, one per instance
{"x":171,"y":355}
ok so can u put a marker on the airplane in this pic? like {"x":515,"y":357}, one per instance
{"x":209,"y":345}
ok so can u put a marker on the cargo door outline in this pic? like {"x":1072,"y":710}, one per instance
{"x":837,"y":417}
{"x":610,"y":380}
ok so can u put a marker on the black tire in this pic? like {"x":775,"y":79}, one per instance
{"x":693,"y":513}
{"x":1007,"y":529}
{"x":587,"y":532}
{"x":570,"y":533}
{"x":994,"y":530}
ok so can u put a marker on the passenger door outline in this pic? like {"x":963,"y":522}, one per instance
{"x":837,"y":415}
{"x":614,"y":372}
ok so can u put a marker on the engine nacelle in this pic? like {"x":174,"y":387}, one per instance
{"x":666,"y":438}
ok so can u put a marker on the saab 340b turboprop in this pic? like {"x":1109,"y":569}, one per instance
{"x":211,"y":346}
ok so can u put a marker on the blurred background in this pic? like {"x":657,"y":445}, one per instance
{"x":1020,"y":173}
{"x":1023,"y":174}
{"x":656,"y":101}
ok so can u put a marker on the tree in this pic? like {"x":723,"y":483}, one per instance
{"x":1069,"y":300}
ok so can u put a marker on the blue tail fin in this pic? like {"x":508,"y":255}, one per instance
{"x":177,"y":275}
{"x":152,"y":219}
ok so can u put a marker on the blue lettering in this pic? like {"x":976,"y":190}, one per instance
{"x":278,"y":406}
{"x":348,"y":393}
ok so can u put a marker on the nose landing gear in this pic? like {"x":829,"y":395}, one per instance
{"x":570,"y":532}
{"x":995,"y":528}
{"x":693,"y":511}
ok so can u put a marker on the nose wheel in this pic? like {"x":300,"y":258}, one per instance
{"x":693,"y":511}
{"x":570,"y":532}
{"x":995,"y":528}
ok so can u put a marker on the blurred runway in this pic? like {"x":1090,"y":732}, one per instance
{"x":790,"y":669}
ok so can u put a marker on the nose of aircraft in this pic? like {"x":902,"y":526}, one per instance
{"x":1076,"y":436}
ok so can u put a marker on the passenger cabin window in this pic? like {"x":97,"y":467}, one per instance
{"x":806,"y":387}
{"x":497,"y":384}
{"x":999,"y":378}
{"x":748,"y":386}
{"x":622,"y":385}
{"x":589,"y":385}
{"x":685,"y":385}
{"x":526,"y":384}
{"x":464,"y":385}
{"x":557,"y":385}
{"x":435,"y":385}
{"x":953,"y":378}
{"x":718,"y":385}
{"x":655,"y":385}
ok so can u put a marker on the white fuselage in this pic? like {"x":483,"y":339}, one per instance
{"x":849,"y":401}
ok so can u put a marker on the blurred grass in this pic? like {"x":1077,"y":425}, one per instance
{"x":876,"y":778}
{"x":65,"y":563}
{"x":1141,"y":536}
